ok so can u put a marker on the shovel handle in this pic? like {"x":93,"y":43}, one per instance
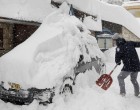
{"x":113,"y":69}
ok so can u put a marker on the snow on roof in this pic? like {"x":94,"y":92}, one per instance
{"x":108,"y":12}
{"x":138,"y":19}
{"x":27,"y":10}
{"x":131,"y":3}
{"x":105,"y":35}
{"x":34,"y":10}
{"x":119,"y":15}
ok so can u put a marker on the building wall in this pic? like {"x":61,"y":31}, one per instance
{"x":126,"y":34}
{"x":129,"y":36}
{"x":115,"y":28}
{"x":7,"y":37}
{"x":13,"y":34}
{"x":105,"y":38}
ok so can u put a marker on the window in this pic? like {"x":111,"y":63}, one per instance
{"x":105,"y":43}
{"x":22,"y":32}
{"x":1,"y":38}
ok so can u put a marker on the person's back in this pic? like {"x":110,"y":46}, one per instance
{"x":126,"y":52}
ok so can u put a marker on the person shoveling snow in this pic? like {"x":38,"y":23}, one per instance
{"x":126,"y":53}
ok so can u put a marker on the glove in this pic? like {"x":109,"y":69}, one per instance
{"x":119,"y":63}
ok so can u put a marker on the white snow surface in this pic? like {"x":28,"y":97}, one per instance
{"x":131,"y":3}
{"x":35,"y":10}
{"x":88,"y":96}
{"x":50,"y":53}
{"x":138,"y":19}
{"x":27,"y":10}
{"x":108,"y":12}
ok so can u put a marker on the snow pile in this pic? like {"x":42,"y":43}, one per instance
{"x":138,"y":19}
{"x":91,"y":97}
{"x":110,"y":54}
{"x":88,"y":7}
{"x":93,"y":24}
{"x":64,"y":49}
{"x":50,"y":53}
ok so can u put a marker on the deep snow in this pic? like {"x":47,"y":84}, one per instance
{"x":51,"y":52}
{"x":53,"y":49}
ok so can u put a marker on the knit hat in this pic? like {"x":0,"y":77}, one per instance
{"x":116,"y":36}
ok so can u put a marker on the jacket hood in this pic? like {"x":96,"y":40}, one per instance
{"x":120,"y":41}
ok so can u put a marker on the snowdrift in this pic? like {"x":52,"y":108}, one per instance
{"x":50,"y":53}
{"x":56,"y":44}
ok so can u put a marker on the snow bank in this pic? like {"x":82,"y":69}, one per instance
{"x":110,"y":54}
{"x":53,"y":46}
{"x":89,"y":97}
{"x":87,"y":6}
{"x":50,"y":53}
{"x":57,"y":56}
{"x":15,"y":65}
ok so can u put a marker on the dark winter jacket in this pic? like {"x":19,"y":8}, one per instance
{"x":126,"y":52}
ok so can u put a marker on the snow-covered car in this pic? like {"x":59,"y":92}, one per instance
{"x":57,"y":55}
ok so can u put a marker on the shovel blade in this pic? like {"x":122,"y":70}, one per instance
{"x":104,"y":81}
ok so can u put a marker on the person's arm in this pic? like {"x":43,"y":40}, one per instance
{"x":136,"y":44}
{"x":118,"y":56}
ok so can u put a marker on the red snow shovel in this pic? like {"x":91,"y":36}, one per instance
{"x":105,"y":80}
